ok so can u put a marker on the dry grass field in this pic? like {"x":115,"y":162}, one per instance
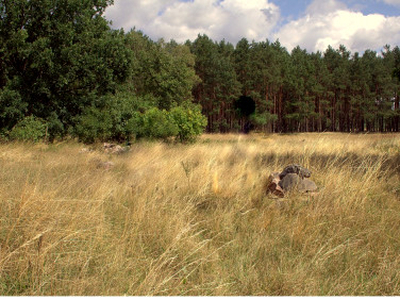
{"x":195,"y":219}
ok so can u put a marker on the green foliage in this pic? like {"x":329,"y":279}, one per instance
{"x":262,"y":119}
{"x":154,"y":124}
{"x":94,"y":124}
{"x":12,"y":108}
{"x":190,"y":122}
{"x":163,"y":70}
{"x":30,"y":129}
{"x":59,"y":57}
{"x":118,"y":121}
{"x":114,"y":117}
{"x":184,"y":123}
{"x":219,"y":87}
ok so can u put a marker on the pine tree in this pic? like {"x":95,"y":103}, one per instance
{"x":219,"y":87}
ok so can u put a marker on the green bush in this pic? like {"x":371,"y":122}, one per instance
{"x":94,"y":124}
{"x":184,"y":123}
{"x":29,"y":129}
{"x":113,"y":118}
{"x":122,"y":117}
{"x":154,"y":124}
{"x":190,"y":122}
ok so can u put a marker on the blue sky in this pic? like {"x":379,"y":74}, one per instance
{"x":311,"y":24}
{"x":290,"y":8}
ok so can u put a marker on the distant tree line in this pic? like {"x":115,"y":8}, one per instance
{"x":297,"y":91}
{"x":64,"y":72}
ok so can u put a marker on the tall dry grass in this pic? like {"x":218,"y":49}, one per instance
{"x":195,"y":220}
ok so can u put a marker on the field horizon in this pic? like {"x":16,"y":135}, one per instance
{"x":195,"y":219}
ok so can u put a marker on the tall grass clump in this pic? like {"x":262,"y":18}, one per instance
{"x":195,"y":220}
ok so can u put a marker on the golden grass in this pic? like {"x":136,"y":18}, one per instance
{"x":195,"y":220}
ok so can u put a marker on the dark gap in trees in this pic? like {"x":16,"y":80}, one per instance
{"x":245,"y":106}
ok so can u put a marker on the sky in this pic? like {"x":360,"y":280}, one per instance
{"x":311,"y":24}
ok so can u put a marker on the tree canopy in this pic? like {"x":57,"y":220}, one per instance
{"x":298,"y":91}
{"x":57,"y":57}
{"x":64,"y":70}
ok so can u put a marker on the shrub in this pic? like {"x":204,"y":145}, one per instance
{"x":115,"y":117}
{"x":155,"y":124}
{"x":190,"y":122}
{"x":94,"y":124}
{"x":119,"y":119}
{"x":29,"y":129}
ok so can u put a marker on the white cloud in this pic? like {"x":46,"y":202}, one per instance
{"x":332,"y":23}
{"x":324,"y":22}
{"x":229,"y":19}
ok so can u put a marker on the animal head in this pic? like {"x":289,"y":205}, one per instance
{"x":296,"y":169}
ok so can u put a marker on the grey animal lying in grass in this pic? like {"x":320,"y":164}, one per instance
{"x":293,"y":177}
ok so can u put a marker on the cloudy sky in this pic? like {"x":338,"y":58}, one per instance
{"x":312,"y":24}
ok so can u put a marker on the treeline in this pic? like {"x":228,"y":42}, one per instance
{"x":64,"y":72}
{"x":297,"y":91}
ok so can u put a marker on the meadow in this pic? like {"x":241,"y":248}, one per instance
{"x":173,"y":219}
